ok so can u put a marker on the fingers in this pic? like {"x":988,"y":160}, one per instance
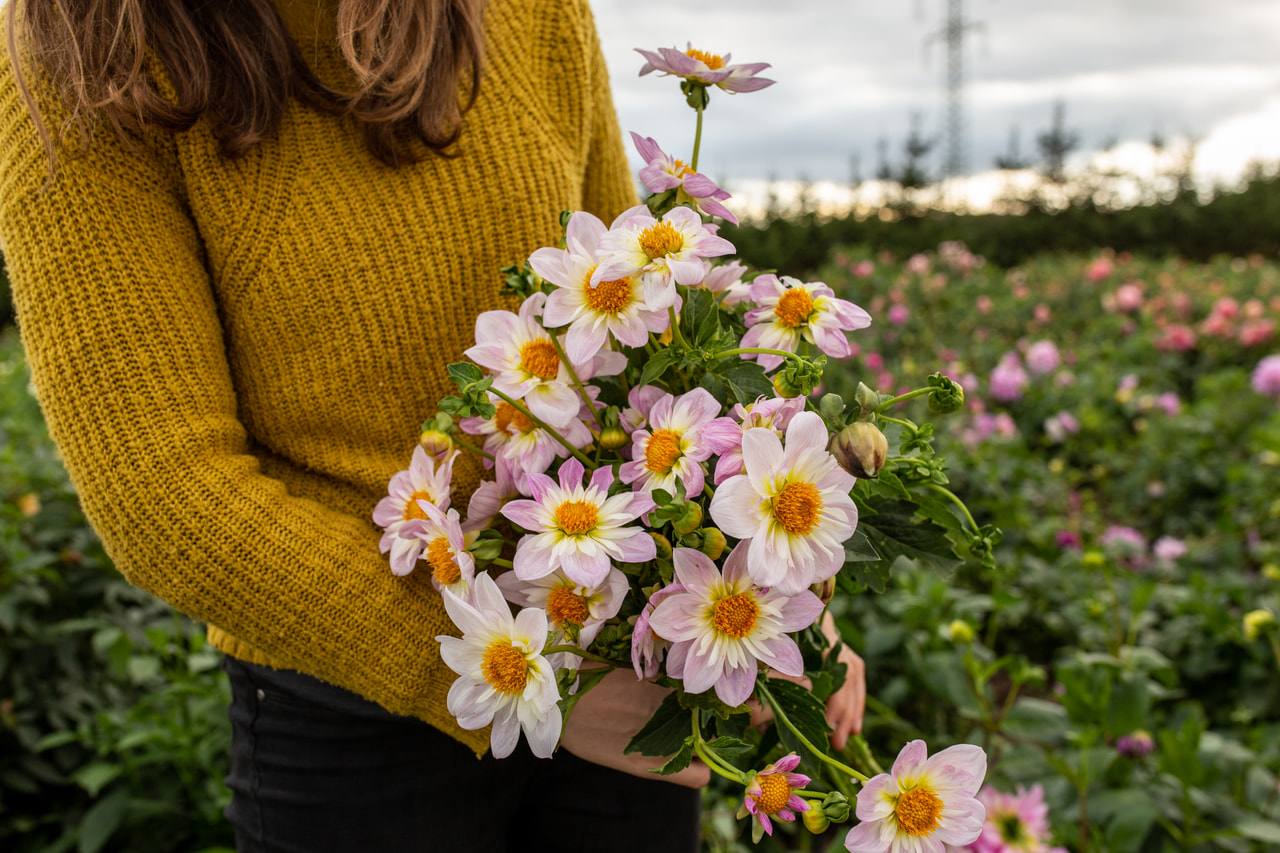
{"x":847,"y":706}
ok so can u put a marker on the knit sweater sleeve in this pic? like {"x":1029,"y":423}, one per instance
{"x":126,"y":348}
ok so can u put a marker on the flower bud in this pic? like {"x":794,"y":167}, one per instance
{"x":785,"y":387}
{"x":861,"y":449}
{"x":438,"y":444}
{"x":947,"y":395}
{"x":1255,"y":621}
{"x":689,"y":520}
{"x":831,"y":407}
{"x":664,"y":545}
{"x":825,"y":590}
{"x":613,"y":437}
{"x":960,"y":631}
{"x":1135,"y":744}
{"x":713,"y":542}
{"x":836,"y":807}
{"x":815,"y":821}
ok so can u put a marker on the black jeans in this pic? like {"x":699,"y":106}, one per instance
{"x":318,"y":769}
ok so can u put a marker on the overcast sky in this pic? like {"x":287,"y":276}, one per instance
{"x":852,"y":72}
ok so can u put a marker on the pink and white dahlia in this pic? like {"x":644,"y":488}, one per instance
{"x":723,"y":626}
{"x":703,"y":67}
{"x":488,"y":499}
{"x":518,"y":445}
{"x":525,"y":362}
{"x":923,"y":804}
{"x":578,"y":528}
{"x":1015,"y":823}
{"x":593,"y":311}
{"x":452,"y":566}
{"x":640,"y":400}
{"x":646,"y":646}
{"x":791,"y":506}
{"x":772,"y":794}
{"x":725,"y":280}
{"x":772,"y":413}
{"x":423,"y":481}
{"x":681,"y":435}
{"x":791,"y":310}
{"x":663,"y":253}
{"x":565,"y":600}
{"x":663,"y":172}
{"x":503,"y":677}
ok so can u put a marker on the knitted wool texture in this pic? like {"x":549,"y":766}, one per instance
{"x":235,"y":356}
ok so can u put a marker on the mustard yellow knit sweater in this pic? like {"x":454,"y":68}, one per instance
{"x":235,"y":356}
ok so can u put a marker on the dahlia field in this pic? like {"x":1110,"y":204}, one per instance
{"x":1122,"y":429}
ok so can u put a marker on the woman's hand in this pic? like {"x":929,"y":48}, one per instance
{"x":605,"y":719}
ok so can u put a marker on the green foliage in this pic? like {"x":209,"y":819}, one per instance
{"x":113,"y":726}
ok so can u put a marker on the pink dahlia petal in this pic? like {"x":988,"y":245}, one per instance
{"x":735,"y":686}
{"x":873,"y":804}
{"x":868,"y":838}
{"x":911,"y":760}
{"x":961,"y":822}
{"x":695,"y":570}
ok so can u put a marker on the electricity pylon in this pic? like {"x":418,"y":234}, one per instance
{"x":953,"y":34}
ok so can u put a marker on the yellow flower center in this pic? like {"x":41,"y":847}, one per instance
{"x":609,"y":297}
{"x":774,"y":793}
{"x":565,"y":605}
{"x":576,"y":517}
{"x":682,"y":169}
{"x":793,"y":308}
{"x":736,"y":616}
{"x":444,"y":568}
{"x":539,"y":358}
{"x":411,"y":508}
{"x":919,"y":812}
{"x":511,"y":420}
{"x":661,"y":240}
{"x":713,"y":62}
{"x":504,"y":668}
{"x":662,"y":451}
{"x":798,"y":508}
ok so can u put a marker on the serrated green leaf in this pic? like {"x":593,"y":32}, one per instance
{"x":869,"y":575}
{"x":729,"y":747}
{"x":657,"y":365}
{"x":806,"y":713}
{"x":747,"y":381}
{"x":665,"y":731}
{"x":858,"y":549}
{"x":463,"y":373}
{"x":679,"y":761}
{"x":894,"y":533}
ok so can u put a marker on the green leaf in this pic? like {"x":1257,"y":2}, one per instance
{"x":54,"y":740}
{"x":895,"y":532}
{"x":1258,"y":829}
{"x":96,"y":776}
{"x":464,"y":373}
{"x":656,"y":366}
{"x":858,"y":549}
{"x":1036,"y":719}
{"x":1126,"y":815}
{"x":806,"y":713}
{"x":665,"y":731}
{"x":729,"y":747}
{"x":873,"y":576}
{"x":679,"y":761}
{"x":587,"y":679}
{"x":701,"y":316}
{"x":101,"y":821}
{"x":747,"y":381}
{"x":1129,"y":706}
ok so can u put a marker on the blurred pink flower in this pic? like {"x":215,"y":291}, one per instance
{"x":1226,"y":308}
{"x":862,"y":269}
{"x":1008,"y":379}
{"x":1058,"y":427}
{"x":1168,"y":549}
{"x":1043,"y":313}
{"x":1176,"y":337}
{"x":873,"y":361}
{"x":1068,"y":539}
{"x":1266,"y":376}
{"x":1099,"y":269}
{"x":899,"y":314}
{"x":1043,"y":357}
{"x":983,"y":304}
{"x":1255,"y":332}
{"x":1170,"y":403}
{"x":1015,"y":823}
{"x":1128,"y":297}
{"x":1135,"y":744}
{"x":918,"y":264}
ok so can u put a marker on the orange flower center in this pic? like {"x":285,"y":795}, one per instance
{"x":774,"y":793}
{"x":713,"y":61}
{"x":504,"y":668}
{"x":793,"y":308}
{"x":919,"y":812}
{"x":682,"y":169}
{"x":411,"y":508}
{"x":798,"y":508}
{"x":565,"y":605}
{"x":662,"y":450}
{"x":511,"y":420}
{"x":444,"y":568}
{"x":576,"y":517}
{"x":539,"y":358}
{"x":736,"y":616}
{"x":609,"y":297}
{"x":660,"y":240}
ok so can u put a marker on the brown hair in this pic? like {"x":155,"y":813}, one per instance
{"x":235,"y":60}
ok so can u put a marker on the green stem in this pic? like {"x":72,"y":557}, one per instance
{"x":697,"y":141}
{"x":713,"y":761}
{"x":577,"y":383}
{"x":506,"y":564}
{"x":471,"y":448}
{"x":822,"y":756}
{"x":519,"y":407}
{"x":919,"y":392}
{"x":947,"y":493}
{"x":864,"y":754}
{"x":675,"y":327}
{"x":898,"y":421}
{"x":582,"y":653}
{"x":1275,"y":647}
{"x":762,"y":350}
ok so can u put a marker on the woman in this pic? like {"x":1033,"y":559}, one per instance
{"x":244,"y":238}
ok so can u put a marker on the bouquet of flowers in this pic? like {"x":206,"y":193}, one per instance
{"x":669,"y":498}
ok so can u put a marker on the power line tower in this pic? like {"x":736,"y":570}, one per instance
{"x":953,"y":35}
